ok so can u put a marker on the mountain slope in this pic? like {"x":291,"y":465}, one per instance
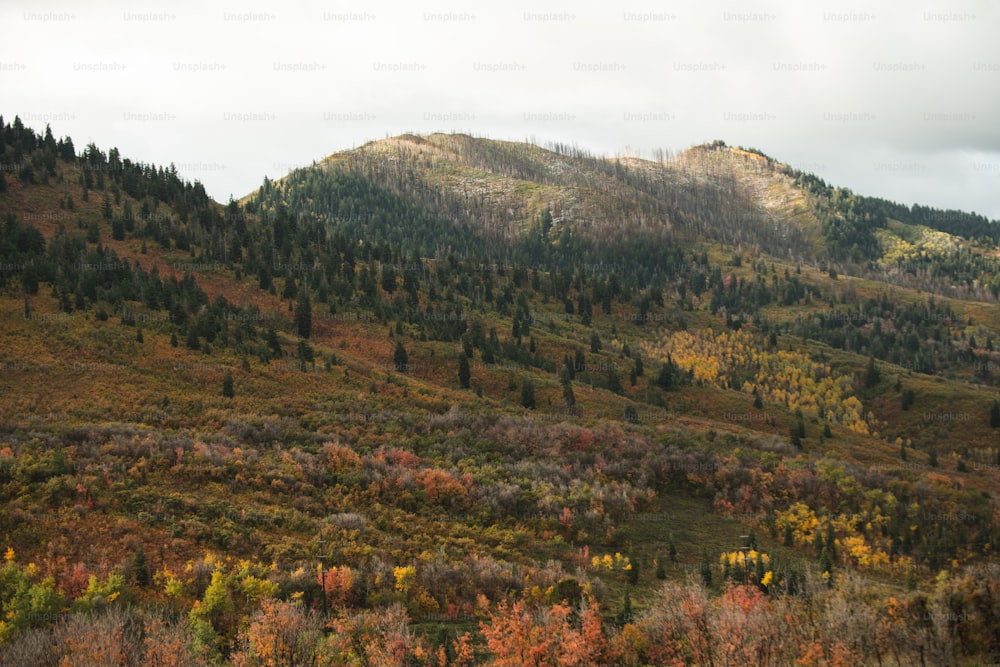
{"x":433,"y":366}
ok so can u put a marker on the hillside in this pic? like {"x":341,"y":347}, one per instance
{"x":442,"y":397}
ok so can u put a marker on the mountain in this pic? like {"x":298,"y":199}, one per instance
{"x":415,"y":395}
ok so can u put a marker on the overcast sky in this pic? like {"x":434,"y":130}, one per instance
{"x":893,"y":99}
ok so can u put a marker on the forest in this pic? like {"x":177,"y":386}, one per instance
{"x":421,"y":404}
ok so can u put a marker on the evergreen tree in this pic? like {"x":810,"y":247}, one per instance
{"x":227,"y":385}
{"x":400,"y":358}
{"x":666,"y":379}
{"x":706,"y":569}
{"x":303,"y":315}
{"x":569,"y":398}
{"x":826,"y":566}
{"x":831,"y":541}
{"x":614,"y":384}
{"x":595,"y":342}
{"x":528,"y":393}
{"x":464,"y":373}
{"x":140,"y":568}
{"x":291,"y":290}
{"x":907,"y":398}
{"x":872,"y":374}
{"x":631,"y":414}
{"x":305,"y":354}
{"x":995,"y":414}
{"x":626,"y":615}
{"x":273,"y":344}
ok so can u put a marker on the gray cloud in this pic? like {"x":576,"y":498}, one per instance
{"x":889,"y":98}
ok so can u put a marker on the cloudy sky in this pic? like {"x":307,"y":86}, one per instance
{"x":894,"y":99}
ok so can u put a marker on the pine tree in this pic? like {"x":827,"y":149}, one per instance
{"x":290,"y":290}
{"x":907,"y":398}
{"x":706,"y":569}
{"x":614,"y":384}
{"x":826,"y":566}
{"x":303,"y":315}
{"x":995,"y":414}
{"x":273,"y":344}
{"x":831,"y":541}
{"x":227,"y":385}
{"x":626,"y":615}
{"x":528,"y":393}
{"x":872,"y":374}
{"x":464,"y":373}
{"x":140,"y":567}
{"x":595,"y":342}
{"x":400,"y":358}
{"x":667,"y":376}
{"x":568,"y":396}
